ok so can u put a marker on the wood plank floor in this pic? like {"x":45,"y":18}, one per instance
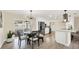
{"x":49,"y":43}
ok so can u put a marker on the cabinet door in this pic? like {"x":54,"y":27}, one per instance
{"x":63,"y":37}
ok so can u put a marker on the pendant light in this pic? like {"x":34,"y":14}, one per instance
{"x":31,"y":14}
{"x":65,"y":16}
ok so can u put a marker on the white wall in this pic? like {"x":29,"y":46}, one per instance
{"x":76,"y":23}
{"x":8,"y":24}
{"x":1,"y":37}
{"x":1,"y":33}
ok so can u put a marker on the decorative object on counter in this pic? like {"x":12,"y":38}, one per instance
{"x":69,"y":27}
{"x":9,"y":37}
{"x":65,"y":16}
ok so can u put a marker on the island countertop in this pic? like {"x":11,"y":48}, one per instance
{"x":65,"y":30}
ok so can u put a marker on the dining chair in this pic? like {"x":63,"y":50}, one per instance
{"x":21,"y":37}
{"x":33,"y":39}
{"x":40,"y":36}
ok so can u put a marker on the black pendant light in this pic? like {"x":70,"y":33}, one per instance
{"x":31,"y":14}
{"x":65,"y":16}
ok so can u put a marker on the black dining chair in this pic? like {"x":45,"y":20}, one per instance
{"x":21,"y":37}
{"x":40,"y":36}
{"x":33,"y":38}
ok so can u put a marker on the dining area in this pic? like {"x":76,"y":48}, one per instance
{"x":31,"y":38}
{"x":24,"y":32}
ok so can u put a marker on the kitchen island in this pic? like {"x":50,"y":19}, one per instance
{"x":63,"y":36}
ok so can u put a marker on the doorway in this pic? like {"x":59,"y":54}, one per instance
{"x":41,"y":27}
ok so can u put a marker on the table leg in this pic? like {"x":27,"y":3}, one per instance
{"x":38,"y":43}
{"x":32,"y":44}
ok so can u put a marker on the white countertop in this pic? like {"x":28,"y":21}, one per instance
{"x":64,"y":30}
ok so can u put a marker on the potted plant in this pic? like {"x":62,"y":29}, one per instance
{"x":9,"y":36}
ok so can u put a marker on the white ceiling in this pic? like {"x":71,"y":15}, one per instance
{"x":43,"y":12}
{"x":46,"y":14}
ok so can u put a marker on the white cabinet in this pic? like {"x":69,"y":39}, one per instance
{"x":63,"y":37}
